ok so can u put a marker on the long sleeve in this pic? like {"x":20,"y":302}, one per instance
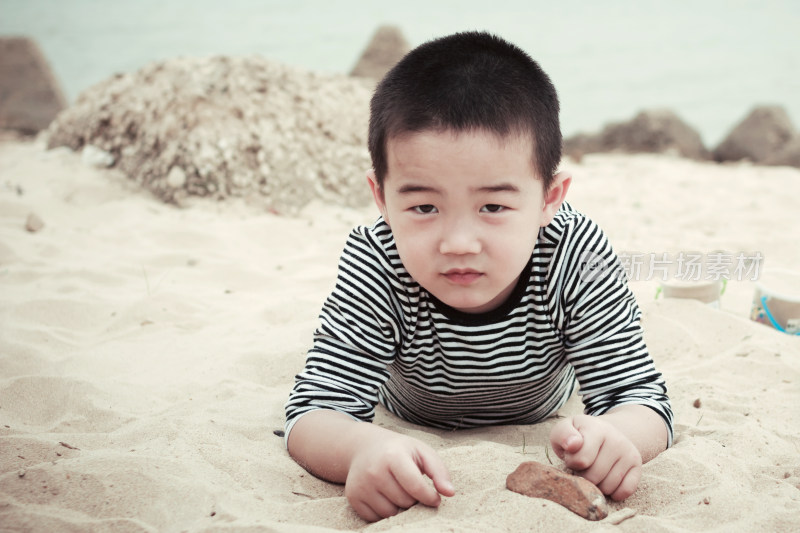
{"x":599,"y":318}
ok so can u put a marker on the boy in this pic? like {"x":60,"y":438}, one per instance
{"x":468,"y":302}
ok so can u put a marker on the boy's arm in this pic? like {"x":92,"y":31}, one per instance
{"x":383,"y":471}
{"x":609,"y":449}
{"x":628,"y":417}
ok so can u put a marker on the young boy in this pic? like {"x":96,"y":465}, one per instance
{"x":468,"y":302}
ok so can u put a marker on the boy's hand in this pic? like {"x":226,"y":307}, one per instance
{"x":599,"y":452}
{"x":388,"y":473}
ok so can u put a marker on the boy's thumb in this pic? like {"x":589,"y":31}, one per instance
{"x":565,"y":438}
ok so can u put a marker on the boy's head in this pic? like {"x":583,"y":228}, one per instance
{"x":467,"y":82}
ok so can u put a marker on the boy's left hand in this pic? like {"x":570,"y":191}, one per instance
{"x":598,"y":451}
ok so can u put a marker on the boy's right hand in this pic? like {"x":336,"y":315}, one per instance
{"x":387,"y":475}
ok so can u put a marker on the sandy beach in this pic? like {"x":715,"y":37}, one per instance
{"x":146,"y":352}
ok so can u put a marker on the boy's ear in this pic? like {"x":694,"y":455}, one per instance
{"x":554,"y":196}
{"x":377,"y":193}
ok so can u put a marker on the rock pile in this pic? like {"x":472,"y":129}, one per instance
{"x":229,"y":127}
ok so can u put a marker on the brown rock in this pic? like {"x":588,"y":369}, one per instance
{"x":33,"y":223}
{"x":760,"y":135}
{"x":575,"y":493}
{"x":30,"y":96}
{"x":387,"y":47}
{"x":651,"y":131}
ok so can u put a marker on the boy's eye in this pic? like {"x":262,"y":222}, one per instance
{"x":426,"y":209}
{"x":492,"y":208}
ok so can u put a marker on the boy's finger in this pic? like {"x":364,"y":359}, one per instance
{"x":410,"y":478}
{"x":591,"y":442}
{"x":565,"y":438}
{"x":365,"y":511}
{"x":394,"y":492}
{"x":628,"y":485}
{"x":434,"y":468}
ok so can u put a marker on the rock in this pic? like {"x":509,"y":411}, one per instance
{"x":30,"y":96}
{"x":33,"y":223}
{"x":234,"y":127}
{"x":651,"y":131}
{"x":575,"y":493}
{"x":387,"y":47}
{"x":789,"y":155}
{"x":93,"y":156}
{"x":760,"y":135}
{"x":176,"y":177}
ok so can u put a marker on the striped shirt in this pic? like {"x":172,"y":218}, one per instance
{"x":570,"y":322}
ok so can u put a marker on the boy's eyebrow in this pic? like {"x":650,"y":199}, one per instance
{"x":411,"y":188}
{"x":500,"y":187}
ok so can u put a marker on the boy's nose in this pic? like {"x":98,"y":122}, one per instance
{"x":459,"y":239}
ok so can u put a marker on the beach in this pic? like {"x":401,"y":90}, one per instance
{"x":147,"y":350}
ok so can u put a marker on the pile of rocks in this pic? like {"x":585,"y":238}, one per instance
{"x":228,"y":127}
{"x":765,"y":136}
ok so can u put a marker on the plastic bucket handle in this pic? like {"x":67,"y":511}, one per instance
{"x":771,"y":318}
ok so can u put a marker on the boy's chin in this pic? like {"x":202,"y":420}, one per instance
{"x":472,"y":307}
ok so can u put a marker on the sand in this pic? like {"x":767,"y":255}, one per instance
{"x":146,"y":352}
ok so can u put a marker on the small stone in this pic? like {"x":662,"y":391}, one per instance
{"x":697,"y":403}
{"x":706,"y":500}
{"x":176,"y":177}
{"x":621,"y":515}
{"x":34,"y":223}
{"x":93,"y":156}
{"x":573,"y":492}
{"x":21,"y":472}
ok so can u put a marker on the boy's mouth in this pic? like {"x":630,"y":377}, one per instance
{"x":462,"y":276}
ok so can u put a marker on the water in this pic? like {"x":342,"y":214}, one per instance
{"x":709,"y":60}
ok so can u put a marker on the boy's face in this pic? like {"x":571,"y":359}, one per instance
{"x":465,"y":210}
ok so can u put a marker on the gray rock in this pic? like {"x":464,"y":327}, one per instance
{"x":650,"y":131}
{"x":387,"y":47}
{"x":789,"y":155}
{"x":30,"y":96}
{"x":758,"y":137}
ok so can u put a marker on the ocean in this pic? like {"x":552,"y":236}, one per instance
{"x":710,"y":61}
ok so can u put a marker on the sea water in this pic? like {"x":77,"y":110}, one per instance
{"x":708,"y":60}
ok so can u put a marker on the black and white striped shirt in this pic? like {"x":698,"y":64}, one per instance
{"x":384,"y":338}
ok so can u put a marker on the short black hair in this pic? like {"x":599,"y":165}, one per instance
{"x":464,"y":82}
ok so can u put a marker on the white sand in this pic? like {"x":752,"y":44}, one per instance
{"x":160,"y":344}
